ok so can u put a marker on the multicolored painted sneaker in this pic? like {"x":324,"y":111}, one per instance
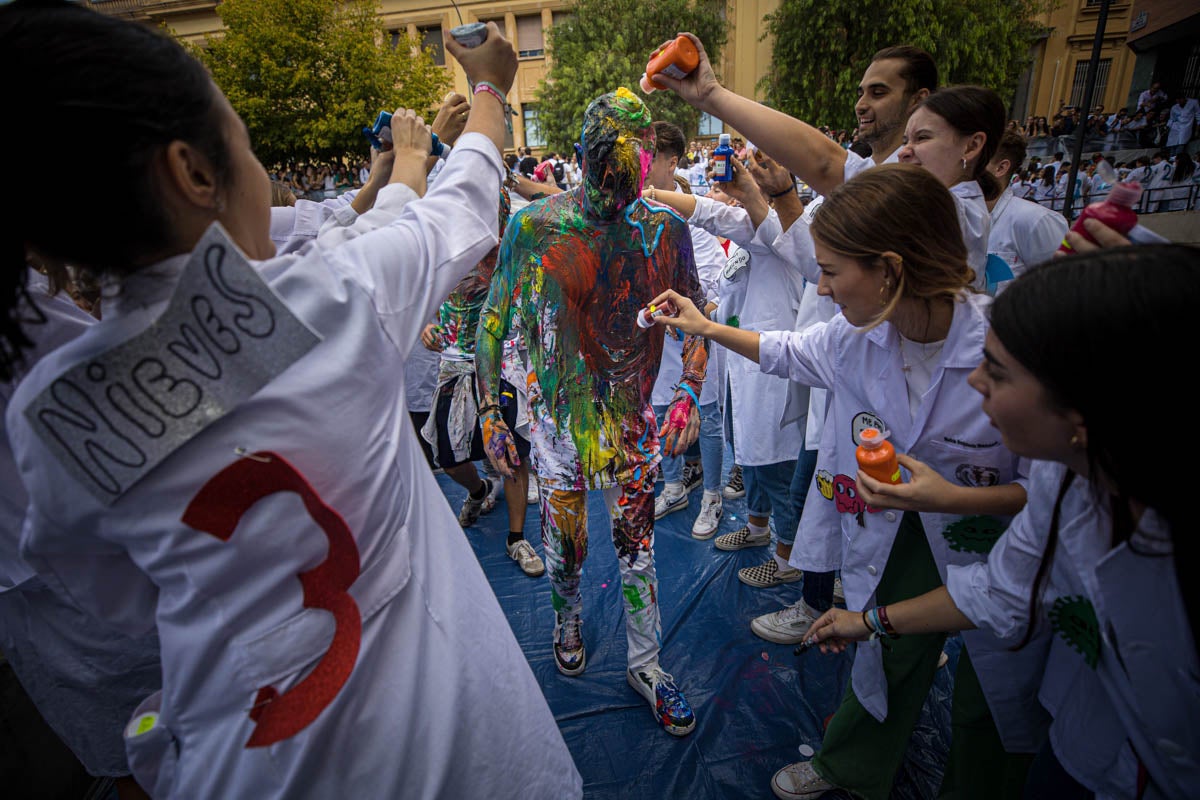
{"x":570,"y":655}
{"x":670,"y":707}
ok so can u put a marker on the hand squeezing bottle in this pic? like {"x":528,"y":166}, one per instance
{"x":676,"y":60}
{"x":1115,"y":211}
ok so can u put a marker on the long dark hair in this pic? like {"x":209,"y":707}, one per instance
{"x":1102,"y":334}
{"x":970,"y":110}
{"x":90,"y":94}
{"x":1184,"y":167}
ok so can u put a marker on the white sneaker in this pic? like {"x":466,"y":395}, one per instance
{"x":668,"y":502}
{"x":799,"y":781}
{"x":532,"y":495}
{"x":526,"y":557}
{"x":709,"y":518}
{"x":786,"y":626}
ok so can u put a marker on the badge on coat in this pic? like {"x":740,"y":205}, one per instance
{"x":736,"y":262}
{"x":110,"y":419}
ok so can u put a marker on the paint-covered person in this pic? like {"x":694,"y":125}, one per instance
{"x":575,"y":269}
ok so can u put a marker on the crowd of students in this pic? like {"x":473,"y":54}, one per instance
{"x":224,"y":474}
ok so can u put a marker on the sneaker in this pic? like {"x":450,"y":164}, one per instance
{"x":764,"y":576}
{"x":570,"y":656}
{"x":670,"y":707}
{"x":799,"y":781}
{"x":472,"y":508}
{"x":786,"y":626}
{"x":532,"y":495}
{"x":668,"y":503}
{"x":734,"y":487}
{"x":710,"y":516}
{"x":839,"y":595}
{"x":522,"y":552}
{"x":743,"y":538}
{"x":693,"y":475}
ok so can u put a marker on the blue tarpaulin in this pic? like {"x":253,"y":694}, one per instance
{"x":756,"y":702}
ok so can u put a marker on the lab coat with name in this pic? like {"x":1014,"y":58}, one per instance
{"x":864,"y":372}
{"x":759,"y":291}
{"x":1024,"y":233}
{"x":382,"y":695}
{"x":84,"y":679}
{"x":1122,"y":679}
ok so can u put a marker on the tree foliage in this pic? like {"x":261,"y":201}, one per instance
{"x":604,"y":44}
{"x":307,"y":75}
{"x":821,"y":47}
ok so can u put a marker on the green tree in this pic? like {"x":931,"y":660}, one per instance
{"x":603,"y":44}
{"x":821,"y":47}
{"x":307,"y":75}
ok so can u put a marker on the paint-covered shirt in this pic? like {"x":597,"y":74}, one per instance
{"x":458,"y":317}
{"x":577,"y":286}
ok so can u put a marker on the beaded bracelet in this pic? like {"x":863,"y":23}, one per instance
{"x":487,"y":409}
{"x":494,"y":90}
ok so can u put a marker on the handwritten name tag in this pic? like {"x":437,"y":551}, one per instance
{"x":111,"y":419}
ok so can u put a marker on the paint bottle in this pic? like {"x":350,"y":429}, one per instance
{"x":1115,"y":211}
{"x":645,"y":319}
{"x":722,"y":160}
{"x":676,"y":60}
{"x":472,"y":34}
{"x":877,"y":457}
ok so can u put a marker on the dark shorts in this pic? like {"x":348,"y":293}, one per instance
{"x":508,"y":410}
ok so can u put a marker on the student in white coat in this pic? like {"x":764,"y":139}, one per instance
{"x":85,"y":680}
{"x":1022,"y":233}
{"x":897,"y":359}
{"x":1181,"y":123}
{"x":758,"y":291}
{"x":227,"y":454}
{"x":1101,"y":555}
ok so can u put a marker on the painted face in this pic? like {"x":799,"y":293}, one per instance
{"x":930,"y":142}
{"x":618,"y":146}
{"x":1018,"y":406}
{"x":858,"y":291}
{"x":246,"y":213}
{"x":882,"y":105}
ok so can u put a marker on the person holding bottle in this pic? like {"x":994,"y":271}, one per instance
{"x":897,"y":359}
{"x":1101,"y":555}
{"x":227,"y":456}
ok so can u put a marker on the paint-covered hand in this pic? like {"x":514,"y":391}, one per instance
{"x":499,"y":444}
{"x":451,"y":118}
{"x":431,"y":338}
{"x":698,"y":88}
{"x":926,"y":490}
{"x":837,"y":628}
{"x":687,"y":317}
{"x":681,"y":428}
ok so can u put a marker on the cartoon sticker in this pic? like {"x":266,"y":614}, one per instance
{"x":825,"y":483}
{"x":1074,"y":619}
{"x":976,"y":534}
{"x":863,"y":420}
{"x":976,"y":475}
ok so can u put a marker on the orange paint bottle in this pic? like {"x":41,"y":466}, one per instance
{"x":676,"y":60}
{"x":877,"y":457}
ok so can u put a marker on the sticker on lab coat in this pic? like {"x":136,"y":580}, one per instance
{"x":110,"y":419}
{"x":736,"y":262}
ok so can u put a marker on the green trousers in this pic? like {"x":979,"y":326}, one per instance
{"x":862,"y":755}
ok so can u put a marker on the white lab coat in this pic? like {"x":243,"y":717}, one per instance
{"x":759,"y":291}
{"x":84,"y":679}
{"x":950,"y":433}
{"x":1024,"y":233}
{"x":404,"y":708}
{"x":976,"y":224}
{"x":292,"y":227}
{"x":1181,"y":121}
{"x":1141,"y":692}
{"x":710,"y":260}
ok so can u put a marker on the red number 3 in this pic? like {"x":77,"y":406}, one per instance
{"x":216,"y":509}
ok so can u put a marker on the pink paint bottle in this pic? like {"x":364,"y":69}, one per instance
{"x":1115,"y":211}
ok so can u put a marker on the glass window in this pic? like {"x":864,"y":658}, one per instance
{"x":533,"y":131}
{"x":530,"y":43}
{"x":1081,"y":68}
{"x":709,"y":125}
{"x":431,"y":39}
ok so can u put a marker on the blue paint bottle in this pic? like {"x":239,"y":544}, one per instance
{"x":722,"y":160}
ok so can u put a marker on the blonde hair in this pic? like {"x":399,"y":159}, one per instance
{"x":904,"y":209}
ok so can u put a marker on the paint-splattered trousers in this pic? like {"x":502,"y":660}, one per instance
{"x":565,"y":541}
